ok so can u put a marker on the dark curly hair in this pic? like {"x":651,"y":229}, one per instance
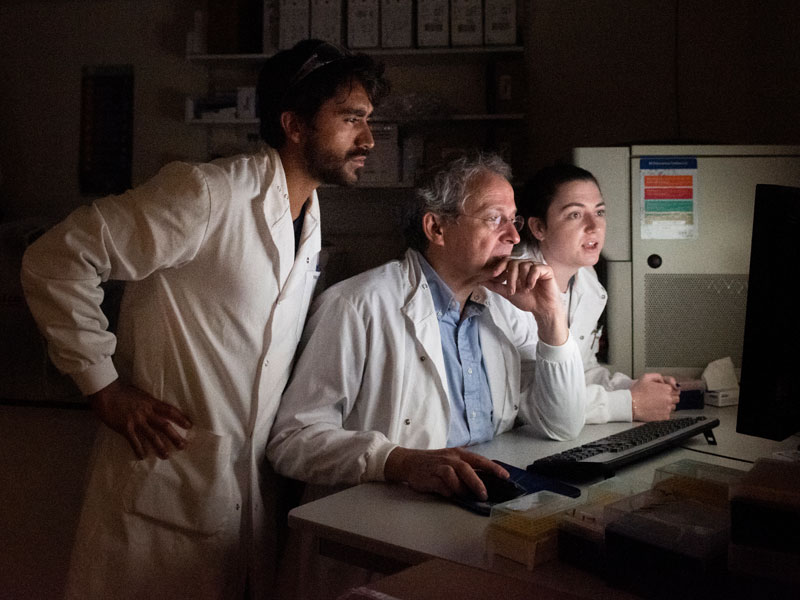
{"x":302,"y":78}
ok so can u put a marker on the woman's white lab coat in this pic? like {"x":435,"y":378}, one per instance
{"x":210,"y":319}
{"x":607,"y":397}
{"x":371,"y":377}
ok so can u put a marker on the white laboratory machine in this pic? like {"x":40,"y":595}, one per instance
{"x":678,"y":248}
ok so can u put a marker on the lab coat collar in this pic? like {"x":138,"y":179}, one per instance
{"x":279,"y":219}
{"x":585,"y":279}
{"x":421,"y":314}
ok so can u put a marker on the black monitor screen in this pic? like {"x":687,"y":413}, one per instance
{"x":769,"y":393}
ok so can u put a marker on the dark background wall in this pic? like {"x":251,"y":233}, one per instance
{"x":600,"y":72}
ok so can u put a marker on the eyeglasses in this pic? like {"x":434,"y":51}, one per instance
{"x":325,"y":54}
{"x":495,"y":223}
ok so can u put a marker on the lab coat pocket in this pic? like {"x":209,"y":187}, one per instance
{"x":309,"y":285}
{"x":191,"y":490}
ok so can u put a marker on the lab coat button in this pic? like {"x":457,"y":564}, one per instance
{"x":602,"y":296}
{"x":408,"y":421}
{"x":581,"y":337}
{"x":424,"y":286}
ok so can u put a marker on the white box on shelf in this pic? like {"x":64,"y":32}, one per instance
{"x":293,"y":19}
{"x":433,"y":23}
{"x":466,"y":22}
{"x":326,"y":20}
{"x":362,"y":23}
{"x":397,"y":23}
{"x":246,"y":102}
{"x":383,"y":163}
{"x":500,"y":23}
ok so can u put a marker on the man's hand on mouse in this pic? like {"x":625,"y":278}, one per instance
{"x":448,"y":472}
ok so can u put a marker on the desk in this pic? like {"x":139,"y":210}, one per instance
{"x":402,"y":527}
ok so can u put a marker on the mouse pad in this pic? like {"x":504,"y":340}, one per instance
{"x":526,"y":482}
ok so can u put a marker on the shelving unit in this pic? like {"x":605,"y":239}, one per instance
{"x":412,"y":68}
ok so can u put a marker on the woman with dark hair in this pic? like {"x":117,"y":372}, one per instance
{"x":565,"y":227}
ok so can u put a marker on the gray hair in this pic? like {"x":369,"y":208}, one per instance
{"x":448,"y":190}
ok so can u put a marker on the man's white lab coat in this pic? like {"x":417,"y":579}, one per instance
{"x":371,"y":377}
{"x":210,"y":319}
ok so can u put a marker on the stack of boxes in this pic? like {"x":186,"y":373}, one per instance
{"x":391,"y":23}
{"x":697,"y":530}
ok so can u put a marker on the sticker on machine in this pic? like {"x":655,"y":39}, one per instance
{"x":668,"y":203}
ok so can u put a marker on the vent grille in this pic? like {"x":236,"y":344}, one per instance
{"x":691,"y":320}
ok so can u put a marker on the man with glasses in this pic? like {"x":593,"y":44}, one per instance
{"x":220,"y":261}
{"x":405,"y":364}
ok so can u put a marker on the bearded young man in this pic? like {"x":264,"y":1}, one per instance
{"x":220,"y":261}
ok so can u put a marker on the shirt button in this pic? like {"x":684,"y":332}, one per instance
{"x":516,"y":407}
{"x":407,"y":421}
{"x":602,"y":296}
{"x":422,"y":358}
{"x":266,"y":363}
{"x":424,"y":286}
{"x":439,"y":314}
{"x":469,"y":370}
{"x":581,"y":337}
{"x":473,"y":413}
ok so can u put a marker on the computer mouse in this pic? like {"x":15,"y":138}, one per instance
{"x":497,"y":488}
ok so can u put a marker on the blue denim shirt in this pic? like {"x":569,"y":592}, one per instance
{"x":470,"y":396}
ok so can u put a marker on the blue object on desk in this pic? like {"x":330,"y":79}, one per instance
{"x":526,"y":482}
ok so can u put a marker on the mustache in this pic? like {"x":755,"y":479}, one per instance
{"x":358,"y":153}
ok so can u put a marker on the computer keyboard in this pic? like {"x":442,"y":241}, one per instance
{"x":603,"y":457}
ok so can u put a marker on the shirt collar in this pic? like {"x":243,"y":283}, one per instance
{"x":443,"y":298}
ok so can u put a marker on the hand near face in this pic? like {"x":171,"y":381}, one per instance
{"x":447,"y":472}
{"x":141,"y":419}
{"x":532,"y":287}
{"x":654,"y":397}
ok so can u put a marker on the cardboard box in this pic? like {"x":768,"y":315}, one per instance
{"x":362,"y":23}
{"x":397,"y":23}
{"x":466,"y":22}
{"x":433,"y":23}
{"x":326,"y":20}
{"x":294,"y":17}
{"x":500,"y":23}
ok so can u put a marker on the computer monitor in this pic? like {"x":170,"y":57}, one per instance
{"x":769,"y":391}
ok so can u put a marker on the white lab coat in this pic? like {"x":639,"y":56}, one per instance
{"x":210,"y":320}
{"x":608,"y":397}
{"x":371,"y":377}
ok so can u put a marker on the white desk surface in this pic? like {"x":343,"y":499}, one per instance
{"x":393,"y":521}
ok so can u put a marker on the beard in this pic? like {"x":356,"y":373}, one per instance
{"x":329,"y":167}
